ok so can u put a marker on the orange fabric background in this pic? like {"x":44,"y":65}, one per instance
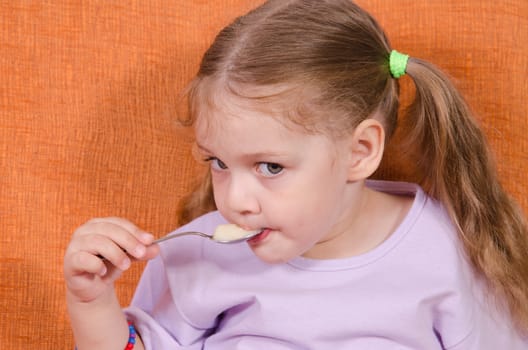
{"x":87,"y":107}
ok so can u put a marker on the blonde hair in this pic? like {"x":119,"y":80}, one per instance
{"x":339,"y":53}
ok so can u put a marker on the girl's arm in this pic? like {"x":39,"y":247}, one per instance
{"x":96,"y":316}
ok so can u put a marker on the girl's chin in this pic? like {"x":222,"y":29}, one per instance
{"x":271,"y":259}
{"x":264,"y":247}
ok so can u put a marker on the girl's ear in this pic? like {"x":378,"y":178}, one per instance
{"x":366,"y":148}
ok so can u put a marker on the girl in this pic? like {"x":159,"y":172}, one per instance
{"x":292,"y":107}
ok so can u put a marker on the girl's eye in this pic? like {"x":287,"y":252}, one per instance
{"x":270,"y":169}
{"x":216,"y":164}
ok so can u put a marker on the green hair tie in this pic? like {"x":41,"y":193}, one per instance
{"x":397,"y":63}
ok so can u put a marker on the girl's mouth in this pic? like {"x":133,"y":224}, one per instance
{"x":260,"y":237}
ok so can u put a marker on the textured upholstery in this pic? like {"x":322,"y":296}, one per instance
{"x":87,"y":107}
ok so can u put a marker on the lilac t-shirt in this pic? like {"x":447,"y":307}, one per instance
{"x":414,"y":291}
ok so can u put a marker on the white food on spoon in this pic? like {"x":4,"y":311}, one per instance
{"x":230,"y":232}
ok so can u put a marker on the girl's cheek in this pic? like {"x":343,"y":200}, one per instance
{"x":219,"y":192}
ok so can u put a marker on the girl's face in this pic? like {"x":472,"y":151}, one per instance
{"x":281,"y":179}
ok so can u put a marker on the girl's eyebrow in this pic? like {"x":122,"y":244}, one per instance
{"x":261,"y":154}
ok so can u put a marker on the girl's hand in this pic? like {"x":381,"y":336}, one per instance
{"x":88,"y":276}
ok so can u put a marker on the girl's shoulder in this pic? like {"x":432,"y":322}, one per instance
{"x":426,"y":225}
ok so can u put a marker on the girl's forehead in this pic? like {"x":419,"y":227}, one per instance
{"x":229,"y":97}
{"x":253,"y":135}
{"x":294,"y":107}
{"x":226,"y":109}
{"x":229,"y":119}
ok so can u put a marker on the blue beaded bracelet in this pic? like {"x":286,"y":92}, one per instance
{"x":131,"y":336}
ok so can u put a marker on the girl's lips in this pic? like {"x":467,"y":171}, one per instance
{"x":260,"y":237}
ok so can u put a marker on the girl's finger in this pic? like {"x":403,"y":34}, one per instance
{"x":103,"y":246}
{"x":91,"y":236}
{"x":83,"y":262}
{"x":144,"y":237}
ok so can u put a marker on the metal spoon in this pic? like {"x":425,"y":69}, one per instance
{"x":211,"y":237}
{"x":201,"y":234}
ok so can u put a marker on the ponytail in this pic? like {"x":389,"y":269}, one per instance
{"x":458,"y":169}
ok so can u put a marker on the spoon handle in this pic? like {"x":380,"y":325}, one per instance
{"x":179,"y":234}
{"x":171,"y":236}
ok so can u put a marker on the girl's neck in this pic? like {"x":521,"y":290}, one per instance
{"x":370,"y":220}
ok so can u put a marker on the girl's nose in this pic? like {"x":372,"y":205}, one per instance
{"x":240,"y":197}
